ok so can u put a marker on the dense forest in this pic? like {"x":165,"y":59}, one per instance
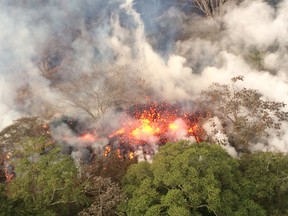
{"x":143,"y":107}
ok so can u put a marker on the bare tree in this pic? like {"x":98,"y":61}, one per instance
{"x":210,"y":8}
{"x":106,"y":195}
{"x":94,"y":93}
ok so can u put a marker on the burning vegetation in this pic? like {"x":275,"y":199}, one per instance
{"x":140,"y":130}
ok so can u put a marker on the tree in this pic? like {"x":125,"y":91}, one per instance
{"x":46,"y":181}
{"x":187,"y":179}
{"x":105,"y":195}
{"x":13,"y":206}
{"x":245,"y":115}
{"x":93,"y":94}
{"x":113,"y":166}
{"x":102,"y":176}
{"x":267,"y":180}
{"x":2,"y":169}
{"x":210,"y":8}
{"x":22,"y":129}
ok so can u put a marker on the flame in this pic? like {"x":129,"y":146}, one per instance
{"x":88,"y":137}
{"x":119,"y":153}
{"x":173,"y":127}
{"x":151,"y":123}
{"x":107,"y":151}
{"x":131,"y":155}
{"x":145,"y":129}
{"x":118,"y":132}
{"x":195,"y":130}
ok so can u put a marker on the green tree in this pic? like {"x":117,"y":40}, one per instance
{"x":266,"y":176}
{"x":245,"y":115}
{"x":46,"y":181}
{"x":5,"y":206}
{"x":21,"y":130}
{"x":186,"y":179}
{"x":13,"y":207}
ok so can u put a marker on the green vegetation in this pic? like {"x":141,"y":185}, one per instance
{"x":266,"y":177}
{"x":202,"y":179}
{"x":46,"y":182}
{"x":187,"y":179}
{"x":183,"y":179}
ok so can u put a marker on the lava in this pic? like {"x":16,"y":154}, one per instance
{"x":88,"y":137}
{"x":149,"y":124}
{"x":152,"y":123}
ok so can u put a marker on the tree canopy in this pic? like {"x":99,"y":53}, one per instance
{"x":188,"y":179}
{"x":245,"y":114}
{"x":46,"y":182}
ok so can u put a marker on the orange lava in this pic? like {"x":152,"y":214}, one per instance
{"x":88,"y":137}
{"x":155,"y":122}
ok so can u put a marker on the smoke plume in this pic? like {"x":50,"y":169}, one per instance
{"x":156,"y":48}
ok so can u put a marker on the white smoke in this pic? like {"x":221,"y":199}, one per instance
{"x":176,"y":53}
{"x":214,"y":130}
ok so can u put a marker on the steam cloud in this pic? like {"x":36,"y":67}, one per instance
{"x":178,"y":54}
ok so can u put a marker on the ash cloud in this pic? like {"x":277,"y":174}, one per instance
{"x":45,"y":45}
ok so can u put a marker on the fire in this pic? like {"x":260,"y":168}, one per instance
{"x":131,"y":155}
{"x":173,"y":127}
{"x":88,"y":137}
{"x":140,"y":126}
{"x":146,"y":128}
{"x":154,"y":123}
{"x":119,"y":153}
{"x":107,"y":151}
{"x":118,"y":132}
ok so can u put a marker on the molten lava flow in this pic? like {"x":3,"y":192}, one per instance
{"x":88,"y":137}
{"x":151,"y":123}
{"x":173,"y":127}
{"x":145,"y":129}
{"x":157,"y":124}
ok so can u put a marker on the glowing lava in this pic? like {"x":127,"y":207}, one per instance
{"x":156,"y":124}
{"x":145,"y":129}
{"x":88,"y":137}
{"x":141,"y":125}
